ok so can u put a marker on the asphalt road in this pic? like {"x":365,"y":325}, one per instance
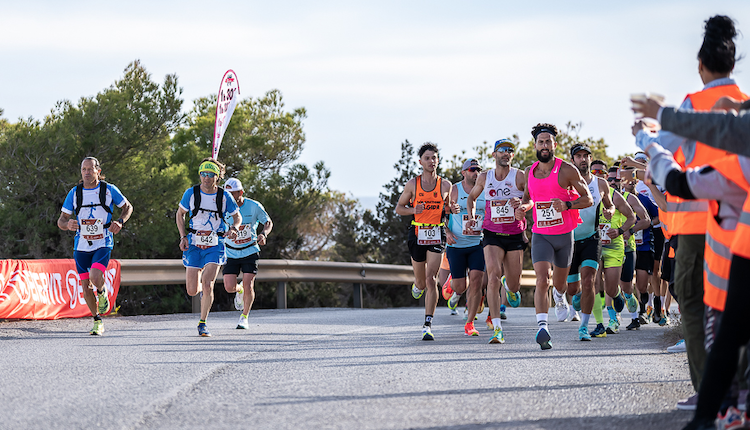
{"x":333,"y":368}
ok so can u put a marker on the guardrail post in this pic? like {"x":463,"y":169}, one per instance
{"x":357,"y":296}
{"x":281,"y":295}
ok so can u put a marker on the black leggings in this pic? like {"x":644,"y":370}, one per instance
{"x":734,"y":332}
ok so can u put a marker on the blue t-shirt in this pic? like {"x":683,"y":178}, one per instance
{"x":205,"y":221}
{"x":648,"y":236}
{"x":92,"y":219}
{"x":253,"y":213}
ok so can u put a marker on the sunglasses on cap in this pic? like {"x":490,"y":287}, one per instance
{"x":504,"y":149}
{"x":474,"y":169}
{"x":208,"y":174}
{"x":598,"y":171}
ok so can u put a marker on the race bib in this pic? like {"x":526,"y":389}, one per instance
{"x":546,"y":215}
{"x":639,"y":237}
{"x":205,"y":238}
{"x":502,"y":212}
{"x":429,"y":235}
{"x":603,"y":229}
{"x":473,"y":231}
{"x":244,"y":235}
{"x":92,"y":229}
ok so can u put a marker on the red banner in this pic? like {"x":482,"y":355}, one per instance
{"x":48,"y":289}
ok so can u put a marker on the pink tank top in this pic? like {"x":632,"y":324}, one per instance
{"x":542,"y":191}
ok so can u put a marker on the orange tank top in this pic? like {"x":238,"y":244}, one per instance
{"x":433,"y":204}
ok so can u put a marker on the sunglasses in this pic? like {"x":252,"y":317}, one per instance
{"x":474,"y":169}
{"x":598,"y":171}
{"x":613,"y":180}
{"x":504,"y":149}
{"x":207,"y":174}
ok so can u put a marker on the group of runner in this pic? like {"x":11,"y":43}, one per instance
{"x":222,"y":229}
{"x":593,"y":229}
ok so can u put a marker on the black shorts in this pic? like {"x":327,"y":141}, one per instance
{"x":658,"y":242}
{"x":628,"y":267}
{"x":463,"y":259}
{"x":644,"y":260}
{"x":419,"y":252}
{"x":508,"y":242}
{"x":247,"y":264}
{"x":667,"y":264}
{"x":586,"y":249}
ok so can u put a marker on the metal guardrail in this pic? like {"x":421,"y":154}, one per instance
{"x":166,"y":272}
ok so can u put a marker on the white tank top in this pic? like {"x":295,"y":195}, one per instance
{"x":496,"y":219}
{"x":589,"y":215}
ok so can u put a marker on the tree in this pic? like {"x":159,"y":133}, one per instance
{"x":566,"y":139}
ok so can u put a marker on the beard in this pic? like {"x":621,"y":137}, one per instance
{"x":545,"y":159}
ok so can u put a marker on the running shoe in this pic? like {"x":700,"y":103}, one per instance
{"x":466,"y":314}
{"x":561,"y":306}
{"x":98,"y":329}
{"x":488,"y":322}
{"x":664,"y":321}
{"x":239,"y":304}
{"x":416,"y":292}
{"x":642,"y":319}
{"x":678,"y":347}
{"x":632,"y":303}
{"x":453,"y":301}
{"x":634,"y":325}
{"x":447,"y":290}
{"x":543,"y":338}
{"x":649,"y":312}
{"x":503,"y":316}
{"x":583,"y":333}
{"x":731,"y":419}
{"x":203,"y":330}
{"x":689,"y":404}
{"x":514,"y":299}
{"x":618,"y":302}
{"x":454,"y":312}
{"x":572,"y":314}
{"x":599,"y":331}
{"x":427,"y":333}
{"x":576,"y":302}
{"x":469,"y":329}
{"x":613,"y":327}
{"x":497,"y":337}
{"x":103,"y":302}
{"x":242,"y":324}
{"x":481,"y":307}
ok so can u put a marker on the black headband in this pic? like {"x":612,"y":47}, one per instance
{"x":545,"y":130}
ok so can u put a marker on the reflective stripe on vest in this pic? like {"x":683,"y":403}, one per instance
{"x":687,"y":206}
{"x":741,"y":241}
{"x":717,"y":261}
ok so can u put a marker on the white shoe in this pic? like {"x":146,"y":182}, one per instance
{"x":573,"y":315}
{"x":561,"y":306}
{"x":239,"y":303}
{"x":242,"y":323}
{"x":678,"y":347}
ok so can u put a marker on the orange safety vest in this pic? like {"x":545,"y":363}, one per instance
{"x":689,"y":216}
{"x":432,"y":214}
{"x":717,"y":259}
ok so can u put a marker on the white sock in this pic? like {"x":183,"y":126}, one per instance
{"x":541,"y":319}
{"x":651,"y":299}
{"x":663,"y":302}
{"x":634,"y":315}
{"x":496,"y":323}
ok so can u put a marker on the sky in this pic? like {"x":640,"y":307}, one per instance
{"x":374,"y":74}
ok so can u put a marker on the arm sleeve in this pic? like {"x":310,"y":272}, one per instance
{"x":717,"y":129}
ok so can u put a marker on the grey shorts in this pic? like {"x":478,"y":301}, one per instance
{"x":554,"y":248}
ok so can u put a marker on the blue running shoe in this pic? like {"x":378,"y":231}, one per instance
{"x":497,"y":337}
{"x":599,"y":331}
{"x":416,"y":292}
{"x":583,"y":333}
{"x":632,"y":303}
{"x":618,"y":303}
{"x":427,"y":333}
{"x":543,"y":338}
{"x":514,"y":299}
{"x":576,"y":302}
{"x":203,"y":330}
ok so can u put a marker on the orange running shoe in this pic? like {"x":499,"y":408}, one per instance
{"x":488,"y":321}
{"x":469,"y":329}
{"x":447,"y":290}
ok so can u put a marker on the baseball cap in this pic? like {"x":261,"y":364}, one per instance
{"x":504,"y":142}
{"x":471,"y":162}
{"x":233,"y":184}
{"x":642,"y":157}
{"x":579,"y":147}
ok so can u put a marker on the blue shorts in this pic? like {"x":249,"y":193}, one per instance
{"x":87,"y":260}
{"x":461,"y":259}
{"x":198,"y":258}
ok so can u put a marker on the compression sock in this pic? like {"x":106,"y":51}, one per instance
{"x":428,"y":320}
{"x":657,"y":306}
{"x":644,"y":299}
{"x":598,"y":309}
{"x":612,"y":313}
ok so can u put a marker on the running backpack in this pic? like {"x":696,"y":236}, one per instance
{"x":218,"y":213}
{"x":77,"y":206}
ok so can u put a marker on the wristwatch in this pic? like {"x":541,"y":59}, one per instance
{"x":620,"y":230}
{"x":569,"y":205}
{"x":632,"y":232}
{"x":120,"y":221}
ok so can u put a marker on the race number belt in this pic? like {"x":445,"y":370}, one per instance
{"x":428,"y":234}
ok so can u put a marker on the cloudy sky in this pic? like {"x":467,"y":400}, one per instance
{"x":373,"y":74}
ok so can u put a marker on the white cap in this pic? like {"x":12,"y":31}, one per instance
{"x":233,"y":184}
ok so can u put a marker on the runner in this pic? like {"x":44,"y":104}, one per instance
{"x":465,"y":249}
{"x":243,"y":251}
{"x":202,"y":246}
{"x":600,"y":170}
{"x":587,"y":247}
{"x":613,"y":250}
{"x":426,"y":197}
{"x":553,"y":191}
{"x":92,"y":202}
{"x":498,"y":192}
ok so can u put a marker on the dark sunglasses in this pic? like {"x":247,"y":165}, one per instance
{"x":474,"y":169}
{"x":613,"y":180}
{"x":504,"y":149}
{"x":208,"y":174}
{"x":598,"y":171}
